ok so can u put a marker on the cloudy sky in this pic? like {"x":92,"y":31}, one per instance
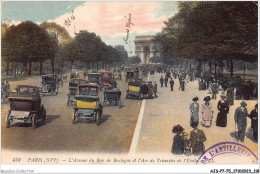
{"x":106,"y":19}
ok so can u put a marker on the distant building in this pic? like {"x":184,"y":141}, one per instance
{"x":122,"y":50}
{"x":144,"y":47}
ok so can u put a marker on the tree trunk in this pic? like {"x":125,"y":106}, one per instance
{"x":25,"y":68}
{"x":215,"y":68}
{"x":30,"y":68}
{"x":7,"y":69}
{"x":199,"y":67}
{"x":97,"y":65}
{"x":231,"y":67}
{"x":210,"y":66}
{"x":52,"y":65}
{"x":40,"y":66}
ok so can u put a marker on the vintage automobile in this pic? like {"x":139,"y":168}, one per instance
{"x":94,"y":78}
{"x":134,"y":90}
{"x":49,"y":84}
{"x":129,"y":76}
{"x":28,"y":89}
{"x":26,"y":107}
{"x":112,"y":97}
{"x":106,"y":78}
{"x":73,"y":88}
{"x":88,"y":105}
{"x":128,"y":69}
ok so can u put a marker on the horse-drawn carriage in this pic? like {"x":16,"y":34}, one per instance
{"x":88,"y":105}
{"x":25,"y":106}
{"x":49,"y":84}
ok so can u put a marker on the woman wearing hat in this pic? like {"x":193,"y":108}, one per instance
{"x":194,"y":110}
{"x":207,"y":112}
{"x":178,"y":144}
{"x":223,"y":110}
{"x":241,"y":120}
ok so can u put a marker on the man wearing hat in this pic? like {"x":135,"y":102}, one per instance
{"x":161,"y":81}
{"x":207,"y":112}
{"x":254,"y":122}
{"x":241,"y":120}
{"x":194,"y":110}
{"x":197,"y":137}
{"x":178,"y":144}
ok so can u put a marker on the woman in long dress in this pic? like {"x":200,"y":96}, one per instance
{"x":194,"y":111}
{"x":207,"y":112}
{"x":178,"y":144}
{"x":223,"y":109}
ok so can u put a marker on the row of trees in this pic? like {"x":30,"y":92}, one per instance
{"x":28,"y":43}
{"x":211,"y":31}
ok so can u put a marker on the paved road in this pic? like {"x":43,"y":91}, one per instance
{"x":172,"y":108}
{"x":59,"y":134}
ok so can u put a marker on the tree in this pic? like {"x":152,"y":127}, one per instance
{"x":212,"y":30}
{"x":26,"y":43}
{"x":59,"y":37}
{"x":135,"y":60}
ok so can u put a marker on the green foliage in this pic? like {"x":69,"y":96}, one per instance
{"x":211,"y":30}
{"x":135,"y":60}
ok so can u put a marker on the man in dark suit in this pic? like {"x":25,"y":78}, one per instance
{"x":171,"y":84}
{"x":161,"y":81}
{"x":197,"y":137}
{"x":254,"y":122}
{"x":241,"y":120}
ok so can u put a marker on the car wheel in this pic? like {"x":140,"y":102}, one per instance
{"x":34,"y":121}
{"x":8,"y":122}
{"x":68,"y":102}
{"x":74,"y":118}
{"x":98,"y":119}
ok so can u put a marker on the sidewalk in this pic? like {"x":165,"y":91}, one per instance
{"x":172,"y":108}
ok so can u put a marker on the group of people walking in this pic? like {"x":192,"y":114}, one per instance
{"x":240,"y":116}
{"x":183,"y":145}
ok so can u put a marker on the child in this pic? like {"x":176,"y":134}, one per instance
{"x":186,"y":143}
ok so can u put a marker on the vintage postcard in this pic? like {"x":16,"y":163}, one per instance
{"x":149,"y":84}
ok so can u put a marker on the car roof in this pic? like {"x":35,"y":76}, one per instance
{"x":88,"y":85}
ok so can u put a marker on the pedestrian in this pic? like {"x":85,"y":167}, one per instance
{"x":223,"y":110}
{"x":230,"y":96}
{"x":161,"y":81}
{"x":171,"y":84}
{"x":166,"y":80}
{"x":178,"y":144}
{"x":150,"y":89}
{"x":182,"y":84}
{"x":214,"y":90}
{"x":197,"y":139}
{"x":254,"y":122}
{"x":194,"y":111}
{"x":241,"y":120}
{"x":155,"y":89}
{"x":113,"y":83}
{"x":145,"y":90}
{"x":207,"y":112}
{"x":186,"y":143}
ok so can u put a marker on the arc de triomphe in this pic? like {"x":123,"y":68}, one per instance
{"x":144,"y":48}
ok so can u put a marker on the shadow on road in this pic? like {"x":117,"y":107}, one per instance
{"x":105,"y":117}
{"x":234,"y":135}
{"x":249,"y":135}
{"x":50,"y":118}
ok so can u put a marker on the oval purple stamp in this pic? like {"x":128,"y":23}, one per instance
{"x":228,"y":152}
